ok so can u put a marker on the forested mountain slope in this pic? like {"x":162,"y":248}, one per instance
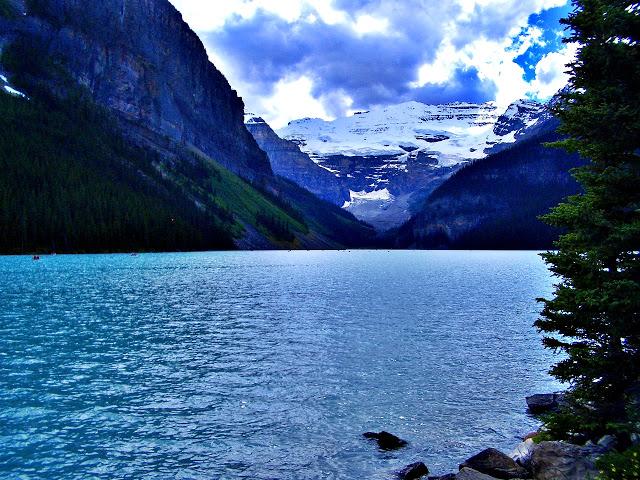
{"x":130,"y":139}
{"x":494,"y":203}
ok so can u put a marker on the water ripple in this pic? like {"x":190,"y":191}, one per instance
{"x":263,"y":365}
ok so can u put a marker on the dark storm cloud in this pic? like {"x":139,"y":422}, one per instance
{"x":465,"y":86}
{"x":372,"y":68}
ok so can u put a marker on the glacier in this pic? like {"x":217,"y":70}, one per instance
{"x":406,"y":150}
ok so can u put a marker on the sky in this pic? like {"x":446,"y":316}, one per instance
{"x":292,"y":59}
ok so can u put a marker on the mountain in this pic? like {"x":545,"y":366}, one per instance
{"x":129,"y":131}
{"x":140,"y":59}
{"x":494,"y":203}
{"x":390,"y":159}
{"x":287,"y":160}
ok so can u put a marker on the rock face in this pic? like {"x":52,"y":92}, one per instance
{"x":518,"y":118}
{"x":560,"y":460}
{"x":386,"y":440}
{"x":413,"y":471}
{"x":287,"y":160}
{"x":141,"y":60}
{"x":496,"y":464}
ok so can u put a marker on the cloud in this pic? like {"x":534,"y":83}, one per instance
{"x":292,"y":98}
{"x":335,"y":56}
{"x":372,"y":66}
{"x":551,"y":71}
{"x":498,"y":19}
{"x":464,"y":85}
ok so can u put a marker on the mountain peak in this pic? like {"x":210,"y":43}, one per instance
{"x":461,"y":130}
{"x":250,"y":118}
{"x":406,"y":148}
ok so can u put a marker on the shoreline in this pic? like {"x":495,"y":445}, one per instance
{"x":529,"y":460}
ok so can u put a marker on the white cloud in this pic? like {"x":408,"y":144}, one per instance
{"x":209,"y":15}
{"x":533,"y":6}
{"x":494,"y":59}
{"x":366,"y":24}
{"x":441,"y":69}
{"x":491,"y":59}
{"x":530,"y":37}
{"x":495,"y":63}
{"x":551,"y":73}
{"x":489,"y":49}
{"x":292,"y":98}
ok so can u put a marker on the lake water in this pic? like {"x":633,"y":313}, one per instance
{"x":264,"y":365}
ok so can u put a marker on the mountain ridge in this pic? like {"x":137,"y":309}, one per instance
{"x":388,"y":160}
{"x":112,"y":49}
{"x":495,"y":202}
{"x":138,"y":60}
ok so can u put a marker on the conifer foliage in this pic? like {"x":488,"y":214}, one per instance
{"x":594,"y":316}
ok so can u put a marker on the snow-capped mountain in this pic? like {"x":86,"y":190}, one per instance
{"x":451,"y":133}
{"x":389,"y":159}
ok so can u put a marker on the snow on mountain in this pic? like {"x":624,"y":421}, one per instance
{"x":252,"y":119}
{"x":390,"y":158}
{"x":4,"y":81}
{"x":376,"y":196}
{"x":451,"y":133}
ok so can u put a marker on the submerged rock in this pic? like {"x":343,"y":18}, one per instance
{"x":561,"y":460}
{"x":496,"y":464}
{"x":413,"y":471}
{"x":386,"y":440}
{"x":545,"y":402}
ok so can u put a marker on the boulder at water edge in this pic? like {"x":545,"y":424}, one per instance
{"x":545,"y":402}
{"x":496,"y":464}
{"x":413,"y":471}
{"x":471,"y":474}
{"x":561,"y":460}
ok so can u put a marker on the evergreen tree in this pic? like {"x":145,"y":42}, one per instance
{"x":594,"y":317}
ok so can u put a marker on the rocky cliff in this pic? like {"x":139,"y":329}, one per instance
{"x":138,"y":63}
{"x":141,"y":60}
{"x":287,"y":160}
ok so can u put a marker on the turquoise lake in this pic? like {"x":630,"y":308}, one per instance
{"x":265,"y":365}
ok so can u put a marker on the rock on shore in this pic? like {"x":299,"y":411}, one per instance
{"x":544,"y":461}
{"x":554,"y":460}
{"x":495,"y":463}
{"x":413,"y":471}
{"x":545,"y":402}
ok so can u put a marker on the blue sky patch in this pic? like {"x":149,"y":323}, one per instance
{"x":551,"y":40}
